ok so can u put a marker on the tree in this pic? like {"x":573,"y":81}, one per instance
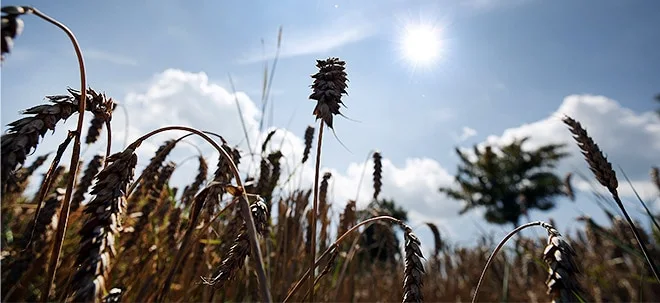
{"x":509,"y":181}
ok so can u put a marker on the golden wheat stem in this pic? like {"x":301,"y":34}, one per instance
{"x":48,"y":182}
{"x":75,"y":156}
{"x":315,"y":210}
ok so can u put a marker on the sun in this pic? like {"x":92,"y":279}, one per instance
{"x":421,"y":44}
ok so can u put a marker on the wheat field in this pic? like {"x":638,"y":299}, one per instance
{"x":103,"y":230}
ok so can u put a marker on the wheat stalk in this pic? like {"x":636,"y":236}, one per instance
{"x":604,"y":173}
{"x":92,"y":169}
{"x":557,"y":257}
{"x":12,"y":26}
{"x":328,"y":87}
{"x":414,"y":269}
{"x":309,"y":137}
{"x":378,"y":174}
{"x":247,"y":216}
{"x":18,"y":184}
{"x":240,"y":248}
{"x":190,"y":191}
{"x":562,"y":279}
{"x":23,"y":134}
{"x":102,"y":224}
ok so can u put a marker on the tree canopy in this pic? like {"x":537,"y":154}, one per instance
{"x":507,"y":181}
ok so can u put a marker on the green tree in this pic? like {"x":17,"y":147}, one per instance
{"x":508,"y":181}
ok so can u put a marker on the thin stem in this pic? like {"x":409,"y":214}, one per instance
{"x":648,"y":212}
{"x":497,"y":249}
{"x":334,"y":245}
{"x":126,"y":125}
{"x":75,"y":156}
{"x":240,"y":115}
{"x":349,"y":257}
{"x":48,"y":182}
{"x":108,"y":146}
{"x":364,"y":170}
{"x":637,"y":237}
{"x":314,"y":210}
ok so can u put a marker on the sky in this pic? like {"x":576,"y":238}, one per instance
{"x":500,"y":70}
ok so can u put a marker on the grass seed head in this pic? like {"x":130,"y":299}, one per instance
{"x":562,"y":280}
{"x":309,"y":137}
{"x":598,"y":163}
{"x":12,"y":26}
{"x":103,"y":222}
{"x":92,"y":169}
{"x":414,"y":269}
{"x":102,"y":108}
{"x":240,"y":249}
{"x":23,"y":134}
{"x":328,"y":87}
{"x":190,"y":191}
{"x":378,"y":174}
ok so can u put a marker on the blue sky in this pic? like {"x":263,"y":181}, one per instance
{"x":506,"y":68}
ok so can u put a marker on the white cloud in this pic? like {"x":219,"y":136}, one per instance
{"x":466,"y":134}
{"x":326,"y":37}
{"x":119,"y":59}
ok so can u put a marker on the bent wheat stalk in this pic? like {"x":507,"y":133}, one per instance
{"x":604,"y":173}
{"x":558,"y":255}
{"x":75,"y":155}
{"x":245,"y":207}
{"x":334,"y":246}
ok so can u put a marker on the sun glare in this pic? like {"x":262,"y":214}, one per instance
{"x":421,"y":44}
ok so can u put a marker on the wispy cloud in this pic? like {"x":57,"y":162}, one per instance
{"x":315,"y":40}
{"x":467,"y":133}
{"x":96,"y":54}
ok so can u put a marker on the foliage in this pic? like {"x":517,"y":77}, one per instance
{"x":508,"y":181}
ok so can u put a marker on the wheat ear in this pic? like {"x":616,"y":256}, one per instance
{"x":240,"y":248}
{"x":102,"y":224}
{"x":378,"y":174}
{"x":414,"y":269}
{"x":604,"y":173}
{"x":562,"y":279}
{"x":92,"y":169}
